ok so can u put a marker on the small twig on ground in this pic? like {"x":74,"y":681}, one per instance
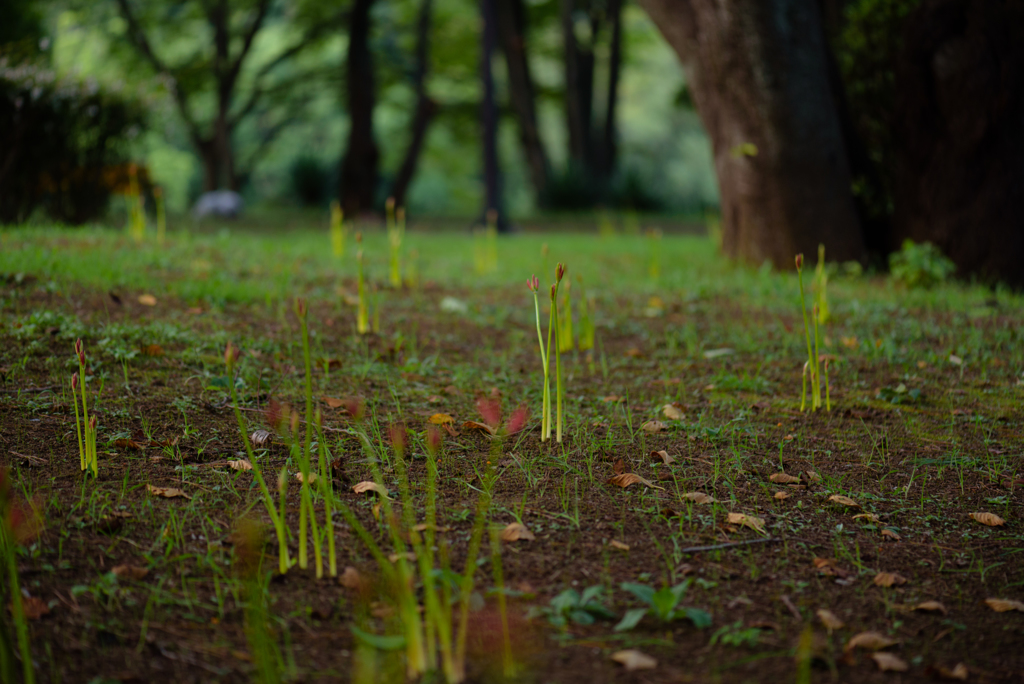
{"x":792,"y":609}
{"x":32,"y":460}
{"x":28,"y":390}
{"x":729,"y":545}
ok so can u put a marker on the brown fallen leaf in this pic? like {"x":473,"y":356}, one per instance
{"x":871,"y":641}
{"x":753,"y":522}
{"x":812,"y":477}
{"x":408,"y":555}
{"x":829,"y":620}
{"x":931,"y":607}
{"x":697,"y":497}
{"x":843,"y":500}
{"x":783,"y":478}
{"x":163,"y":443}
{"x":334,"y":402}
{"x":958,"y":673}
{"x":990,"y":519}
{"x":240,"y":464}
{"x":1004,"y":605}
{"x":616,"y":544}
{"x":482,"y":427}
{"x":516,"y":532}
{"x":301,"y":478}
{"x":887,"y":662}
{"x":889,"y":579}
{"x":653,"y":426}
{"x":33,"y":607}
{"x":132,"y":572}
{"x":369,"y":486}
{"x":672,"y":412}
{"x":261,"y":438}
{"x":167,"y":492}
{"x":127,"y":444}
{"x":350,"y":579}
{"x":781,"y":495}
{"x":663,"y":457}
{"x":152,"y":350}
{"x":441,"y":419}
{"x":611,"y":399}
{"x":147,"y":300}
{"x":619,"y":466}
{"x":634,"y":660}
{"x":870,"y":517}
{"x":830,"y":568}
{"x":626,"y":479}
{"x":890,"y":534}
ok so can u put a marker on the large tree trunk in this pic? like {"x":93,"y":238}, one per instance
{"x":426,"y":108}
{"x":609,"y":139}
{"x":359,"y":169}
{"x":959,"y":134}
{"x":574,"y":107}
{"x":757,"y":71}
{"x":512,"y":31}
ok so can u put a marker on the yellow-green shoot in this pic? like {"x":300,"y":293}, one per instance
{"x":811,"y":368}
{"x":545,"y":423}
{"x":85,"y":426}
{"x":565,"y":331}
{"x":396,"y":233}
{"x":554,"y":324}
{"x":276,"y":515}
{"x":137,"y":216}
{"x":337,"y":230}
{"x":820,"y":286}
{"x":363,"y":312}
{"x":161,"y":216}
{"x":307,"y":513}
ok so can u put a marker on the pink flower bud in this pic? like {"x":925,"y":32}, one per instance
{"x":434,"y":438}
{"x":560,"y":270}
{"x":74,"y":381}
{"x":398,"y":437}
{"x":533,"y":283}
{"x":490,"y":409}
{"x":354,"y":407}
{"x":275,"y":414}
{"x":230,"y":354}
{"x":799,"y":262}
{"x":300,"y":307}
{"x":518,"y":419}
{"x":92,"y":423}
{"x":553,"y":292}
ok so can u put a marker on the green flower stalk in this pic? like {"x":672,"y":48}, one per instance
{"x":161,"y":216}
{"x":816,"y":387}
{"x":363,"y":314}
{"x":276,"y":517}
{"x":16,"y":525}
{"x":337,"y":230}
{"x":326,"y":486}
{"x":565,"y":332}
{"x":821,"y":285}
{"x":559,"y":273}
{"x":396,"y":232}
{"x":654,"y":242}
{"x":307,"y":514}
{"x":508,"y":663}
{"x":88,"y":457}
{"x":545,"y":423}
{"x":812,"y":369}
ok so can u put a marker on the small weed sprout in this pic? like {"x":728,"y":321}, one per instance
{"x":85,"y":426}
{"x":821,"y":286}
{"x":136,"y":214}
{"x":534,"y":286}
{"x":554,"y":325}
{"x":276,"y":515}
{"x":812,"y":368}
{"x":363,"y":313}
{"x":337,"y":230}
{"x":249,"y":565}
{"x":161,"y":216}
{"x":396,"y":233}
{"x":485,"y":245}
{"x":565,"y":331}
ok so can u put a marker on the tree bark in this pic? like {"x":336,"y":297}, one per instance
{"x":489,"y":117}
{"x":573,"y":105}
{"x":512,"y":29}
{"x":959,"y":180}
{"x":426,"y":108}
{"x":609,"y":139}
{"x":359,"y":168}
{"x":757,"y":71}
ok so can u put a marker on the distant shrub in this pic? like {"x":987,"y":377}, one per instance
{"x":310,"y":181}
{"x":58,"y":140}
{"x":920,"y":264}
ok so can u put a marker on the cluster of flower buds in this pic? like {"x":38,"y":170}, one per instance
{"x":74,"y":381}
{"x":231,"y":354}
{"x":560,"y":270}
{"x":533,"y":283}
{"x":80,"y":350}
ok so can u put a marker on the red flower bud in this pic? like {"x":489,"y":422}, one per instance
{"x":354,"y":407}
{"x":553,"y":292}
{"x":533,"y":283}
{"x":276,"y":413}
{"x":560,"y":270}
{"x":434,"y":438}
{"x":398,"y":437}
{"x":300,"y":307}
{"x":490,"y":409}
{"x":518,"y":419}
{"x":230,"y":354}
{"x":74,"y":381}
{"x":799,"y":262}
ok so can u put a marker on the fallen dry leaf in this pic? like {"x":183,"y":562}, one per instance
{"x":625,"y":479}
{"x":663,"y":457}
{"x":634,"y":660}
{"x":654,"y":426}
{"x":516,"y":532}
{"x":754,"y":523}
{"x":889,"y":534}
{"x":301,"y":478}
{"x":616,"y":544}
{"x":167,"y":492}
{"x":844,"y":500}
{"x":931,"y":607}
{"x":990,"y":519}
{"x":152,"y":350}
{"x":888,"y":579}
{"x":959,"y":672}
{"x":830,"y":567}
{"x":408,"y":555}
{"x":870,"y":517}
{"x":611,"y":399}
{"x":697,"y":497}
{"x":133,"y":572}
{"x":812,"y":477}
{"x":872,"y":641}
{"x":127,"y":444}
{"x":261,"y":438}
{"x":34,"y":607}
{"x":368,"y":486}
{"x":781,"y":495}
{"x":887,"y":662}
{"x":783,"y":478}
{"x":482,"y":427}
{"x":350,"y":579}
{"x":333,"y":402}
{"x":829,"y":620}
{"x":147,"y":300}
{"x":672,"y":412}
{"x":1004,"y":605}
{"x":240,"y":464}
{"x":441,"y":419}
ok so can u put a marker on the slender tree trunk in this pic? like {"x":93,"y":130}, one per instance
{"x":609,"y":138}
{"x":359,"y":168}
{"x":489,"y":116}
{"x":512,"y":30}
{"x":757,"y":71}
{"x":959,"y":179}
{"x":426,"y":108}
{"x":573,"y":105}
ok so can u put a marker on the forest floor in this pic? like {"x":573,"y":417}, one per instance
{"x":874,"y":528}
